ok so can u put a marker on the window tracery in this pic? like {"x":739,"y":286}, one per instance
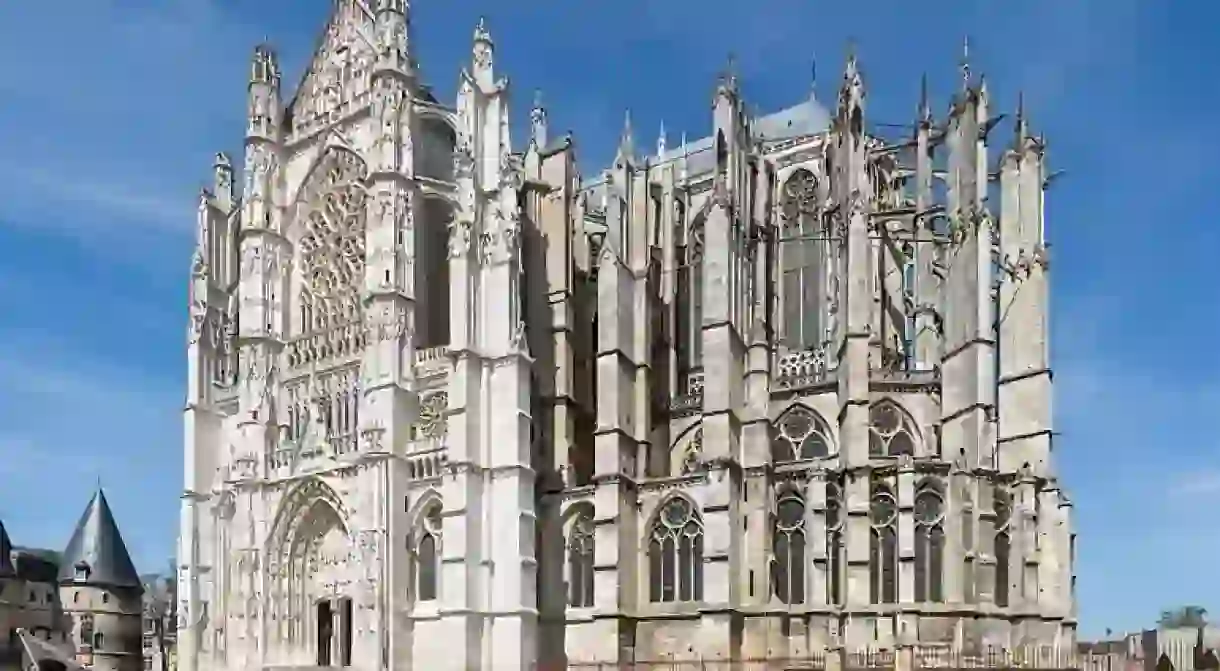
{"x":788,"y":547}
{"x":834,"y":543}
{"x":883,"y":546}
{"x":427,"y":554}
{"x":675,"y":553}
{"x":929,"y":542}
{"x":891,"y":431}
{"x":803,"y":262}
{"x":1003,"y":544}
{"x":800,"y":434}
{"x":580,"y":561}
{"x":331,"y":247}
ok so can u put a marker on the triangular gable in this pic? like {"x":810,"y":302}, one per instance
{"x":343,"y":54}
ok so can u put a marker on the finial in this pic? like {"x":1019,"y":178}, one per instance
{"x":537,"y":99}
{"x":925,"y":109}
{"x":661,"y":140}
{"x":730,"y":72}
{"x":813,"y":74}
{"x":481,"y":34}
{"x":626,"y":141}
{"x":965,"y":65}
{"x":1022,"y":126}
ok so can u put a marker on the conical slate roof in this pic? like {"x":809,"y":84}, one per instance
{"x":96,"y":554}
{"x":7,"y":569}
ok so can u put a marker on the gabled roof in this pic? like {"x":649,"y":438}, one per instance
{"x":96,"y":555}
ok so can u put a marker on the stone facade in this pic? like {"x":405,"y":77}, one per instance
{"x":778,"y":391}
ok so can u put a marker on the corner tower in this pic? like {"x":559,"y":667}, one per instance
{"x":101,"y":593}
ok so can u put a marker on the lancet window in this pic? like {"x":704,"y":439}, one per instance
{"x":580,"y":560}
{"x":689,"y":312}
{"x":800,"y":434}
{"x":675,"y":554}
{"x":1003,"y":545}
{"x":929,"y":542}
{"x":834,"y":543}
{"x":427,"y":552}
{"x":788,"y":547}
{"x":883,"y":545}
{"x":967,"y":529}
{"x":891,"y":431}
{"x":331,"y":248}
{"x":802,"y":255}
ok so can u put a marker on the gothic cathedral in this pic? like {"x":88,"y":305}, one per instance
{"x":777,"y":391}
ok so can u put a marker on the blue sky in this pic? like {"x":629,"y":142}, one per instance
{"x":110,"y":111}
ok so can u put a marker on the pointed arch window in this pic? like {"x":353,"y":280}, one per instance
{"x":788,"y":547}
{"x":802,"y":262}
{"x":800,"y":434}
{"x":883,"y":545}
{"x":580,"y":561}
{"x":1003,"y":545}
{"x":427,"y":555}
{"x":891,"y":431}
{"x":967,"y":529}
{"x":834,"y":543}
{"x":694,"y":260}
{"x":675,"y":554}
{"x":929,"y":542}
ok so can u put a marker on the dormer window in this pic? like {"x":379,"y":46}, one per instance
{"x":82,"y":570}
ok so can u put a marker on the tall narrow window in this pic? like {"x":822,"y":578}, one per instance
{"x":891,"y":431}
{"x":802,"y":260}
{"x":694,"y":260}
{"x":834,"y":544}
{"x":427,"y":555}
{"x":1003,"y":545}
{"x":929,"y":542}
{"x":788,"y":546}
{"x":800,"y":434}
{"x":967,"y":529}
{"x":675,"y":554}
{"x":883,"y":546}
{"x":580,"y":561}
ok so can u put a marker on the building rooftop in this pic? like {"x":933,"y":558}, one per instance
{"x":96,"y":555}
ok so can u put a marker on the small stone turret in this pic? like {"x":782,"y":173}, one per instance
{"x":101,"y":593}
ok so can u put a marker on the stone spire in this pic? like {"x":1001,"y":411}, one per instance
{"x":96,"y":555}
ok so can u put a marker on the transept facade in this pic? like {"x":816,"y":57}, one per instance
{"x":782,"y":390}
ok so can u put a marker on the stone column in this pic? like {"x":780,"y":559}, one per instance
{"x":616,"y":550}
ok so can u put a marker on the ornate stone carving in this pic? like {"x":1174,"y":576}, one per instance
{"x":432,"y":422}
{"x":459,"y":238}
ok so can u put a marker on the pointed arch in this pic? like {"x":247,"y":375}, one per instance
{"x":929,"y":540}
{"x":800,"y":433}
{"x":892,"y":430}
{"x":424,"y":544}
{"x":1002,"y":505}
{"x":579,"y":545}
{"x":836,"y":553}
{"x":674,"y":542}
{"x":296,"y":505}
{"x":687,"y":450}
{"x":883,"y":544}
{"x":802,"y":260}
{"x":788,"y":545}
{"x":690,"y":292}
